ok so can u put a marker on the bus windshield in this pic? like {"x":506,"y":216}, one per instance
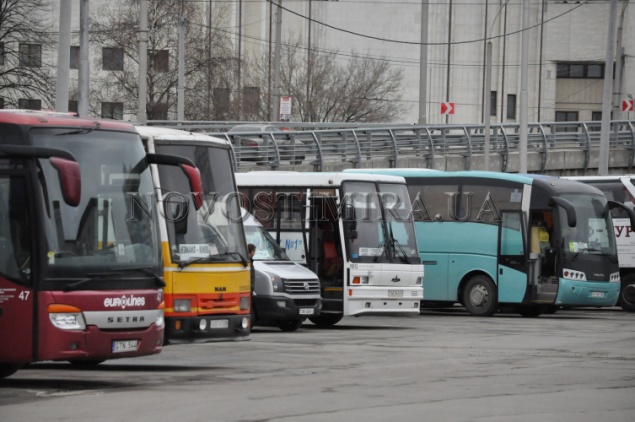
{"x":377,"y":224}
{"x":213,"y":233}
{"x":114,"y":225}
{"x":592,"y":212}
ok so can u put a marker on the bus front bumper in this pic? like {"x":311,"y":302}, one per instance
{"x":207,"y":328}
{"x":587,"y":293}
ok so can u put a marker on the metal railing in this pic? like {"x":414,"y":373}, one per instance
{"x":337,"y":143}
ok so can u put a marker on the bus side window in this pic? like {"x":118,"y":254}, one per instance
{"x":511,"y":235}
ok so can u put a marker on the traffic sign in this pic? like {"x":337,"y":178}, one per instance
{"x":447,"y":108}
{"x":628,"y":105}
{"x":285,"y":105}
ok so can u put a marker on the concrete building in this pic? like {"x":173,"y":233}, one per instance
{"x":567,"y":50}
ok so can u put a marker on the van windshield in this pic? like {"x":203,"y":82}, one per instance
{"x":266,"y":247}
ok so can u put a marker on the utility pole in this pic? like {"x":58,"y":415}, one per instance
{"x":619,"y":56}
{"x":487,"y":99}
{"x":447,"y":72}
{"x":423,"y":64}
{"x":605,"y":131}
{"x":142,"y":116}
{"x":63,"y":57}
{"x":180,"y":100}
{"x":524,"y":96}
{"x":84,"y":68}
{"x":275,"y":114}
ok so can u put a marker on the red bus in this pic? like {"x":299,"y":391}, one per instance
{"x":80,"y":257}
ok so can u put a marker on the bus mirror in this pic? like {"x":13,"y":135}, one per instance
{"x":629,"y":211}
{"x":70,"y":179}
{"x":190,"y":170}
{"x":572,"y":219}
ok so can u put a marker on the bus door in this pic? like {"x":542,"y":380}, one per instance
{"x":512,"y":265}
{"x":325,"y":246}
{"x":17,"y":300}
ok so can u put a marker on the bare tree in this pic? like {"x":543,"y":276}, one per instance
{"x":25,"y":42}
{"x":116,"y":27}
{"x":327,"y":88}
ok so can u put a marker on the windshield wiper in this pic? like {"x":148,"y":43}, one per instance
{"x":184,"y":264}
{"x":113,"y":271}
{"x":81,"y":131}
{"x":401,"y":249}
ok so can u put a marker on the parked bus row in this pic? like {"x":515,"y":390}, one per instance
{"x":117,"y":240}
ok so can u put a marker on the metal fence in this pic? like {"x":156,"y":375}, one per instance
{"x":321,"y":144}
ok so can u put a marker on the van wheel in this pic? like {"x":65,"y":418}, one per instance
{"x":7,"y":369}
{"x":627,"y":293}
{"x":479,"y":296}
{"x":326,"y":320}
{"x":289,"y":326}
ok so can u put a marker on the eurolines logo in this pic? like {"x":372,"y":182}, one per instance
{"x":124,"y":302}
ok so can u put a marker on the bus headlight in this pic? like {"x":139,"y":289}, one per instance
{"x":614,"y":278}
{"x":182,"y":305}
{"x":244,"y":303}
{"x":66,"y":317}
{"x":160,"y":319}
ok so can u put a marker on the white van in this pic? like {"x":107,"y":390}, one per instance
{"x":285,"y":293}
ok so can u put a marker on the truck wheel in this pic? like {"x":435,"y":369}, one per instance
{"x":627,"y":294}
{"x":326,"y":320}
{"x":289,"y":326}
{"x":479,"y":296}
{"x":7,"y":369}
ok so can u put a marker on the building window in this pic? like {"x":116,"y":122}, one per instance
{"x":493,"y":103}
{"x":1,"y":103}
{"x":157,"y":111}
{"x":74,"y":57}
{"x":220,"y":100}
{"x":112,"y":111}
{"x":112,"y":58}
{"x":73,"y":106}
{"x":1,"y":54}
{"x":29,"y":104}
{"x":580,"y":70}
{"x":159,"y":60}
{"x":596,"y":116}
{"x":511,"y":106}
{"x":31,"y":55}
{"x":251,"y":99}
{"x":567,"y":116}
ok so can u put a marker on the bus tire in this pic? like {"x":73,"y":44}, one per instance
{"x":480,"y":297}
{"x":290,"y":325}
{"x":326,"y":320}
{"x":627,"y":293}
{"x":532,"y":311}
{"x":8,"y":369}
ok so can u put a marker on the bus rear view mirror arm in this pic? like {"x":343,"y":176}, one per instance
{"x":190,"y":170}
{"x":629,"y":211}
{"x":572,"y":219}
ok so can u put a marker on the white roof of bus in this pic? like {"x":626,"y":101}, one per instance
{"x":302,"y":179}
{"x":169,"y":134}
{"x":615,"y":177}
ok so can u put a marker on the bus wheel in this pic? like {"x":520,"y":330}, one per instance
{"x":532,"y":311}
{"x":627,"y":294}
{"x":7,"y":369}
{"x":479,"y":296}
{"x":326,"y":320}
{"x":290,"y":325}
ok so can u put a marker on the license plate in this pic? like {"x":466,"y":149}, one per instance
{"x":597,"y":294}
{"x":219,"y":323}
{"x":395,"y":293}
{"x":307,"y":311}
{"x":124,"y":346}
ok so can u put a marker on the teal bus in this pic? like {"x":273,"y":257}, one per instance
{"x":532,"y":242}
